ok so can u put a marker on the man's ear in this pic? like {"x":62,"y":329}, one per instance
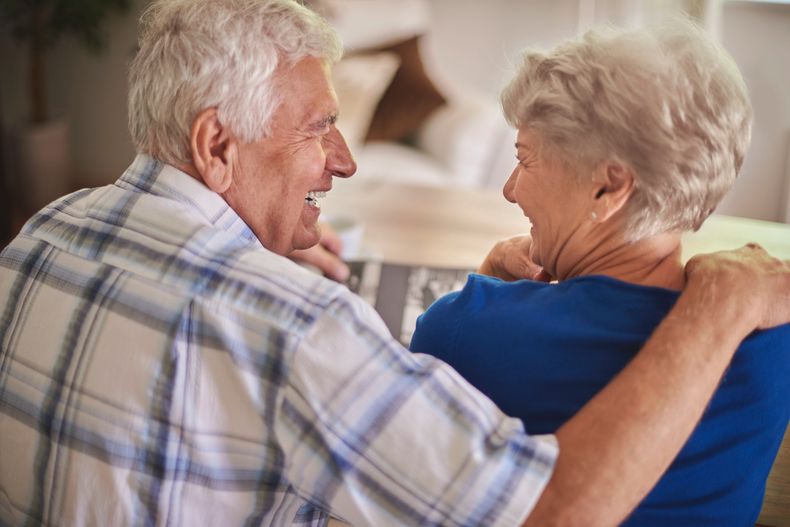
{"x":214,"y":150}
{"x":613,"y":184}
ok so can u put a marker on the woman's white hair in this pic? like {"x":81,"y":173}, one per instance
{"x":666,"y":102}
{"x":199,"y":54}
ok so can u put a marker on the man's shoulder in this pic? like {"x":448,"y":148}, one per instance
{"x":257,"y":279}
{"x":160,"y":244}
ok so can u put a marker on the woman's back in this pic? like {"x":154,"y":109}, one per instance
{"x":542,"y":351}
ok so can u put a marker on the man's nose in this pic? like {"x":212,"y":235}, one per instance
{"x":339,"y":159}
{"x":510,"y":185}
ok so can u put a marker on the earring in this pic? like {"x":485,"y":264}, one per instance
{"x":594,"y":216}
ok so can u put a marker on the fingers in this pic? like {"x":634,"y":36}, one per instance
{"x":725,"y":261}
{"x":491,"y":266}
{"x":757,"y":247}
{"x":325,"y":256}
{"x":331,"y":264}
{"x":509,"y":260}
{"x":329,"y":239}
{"x":749,"y":279}
{"x":327,"y":262}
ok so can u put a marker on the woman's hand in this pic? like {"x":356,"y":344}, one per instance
{"x":509,"y":261}
{"x":324,"y":255}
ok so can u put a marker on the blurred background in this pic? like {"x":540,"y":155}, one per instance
{"x":418,"y":89}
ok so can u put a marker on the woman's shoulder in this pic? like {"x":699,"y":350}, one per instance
{"x":481,"y":289}
{"x":484,"y":292}
{"x":760,"y":372}
{"x":776,"y":339}
{"x":482,"y":298}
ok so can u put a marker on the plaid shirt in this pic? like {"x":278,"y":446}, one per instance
{"x":160,"y":367}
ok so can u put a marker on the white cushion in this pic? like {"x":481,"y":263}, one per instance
{"x":399,"y":164}
{"x":360,"y":82}
{"x":466,"y":136}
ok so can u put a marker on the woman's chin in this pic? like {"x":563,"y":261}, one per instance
{"x":534,"y":254}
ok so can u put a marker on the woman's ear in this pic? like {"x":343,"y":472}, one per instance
{"x":214,"y":150}
{"x":613,"y":184}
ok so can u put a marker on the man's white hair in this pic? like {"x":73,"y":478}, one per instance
{"x":666,"y":102}
{"x":200,"y":54}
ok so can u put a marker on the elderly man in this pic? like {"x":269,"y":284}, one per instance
{"x":162,"y":362}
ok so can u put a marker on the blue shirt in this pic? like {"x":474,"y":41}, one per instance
{"x":542,"y":351}
{"x":158,"y":366}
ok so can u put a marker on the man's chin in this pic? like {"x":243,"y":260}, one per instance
{"x":309,"y":237}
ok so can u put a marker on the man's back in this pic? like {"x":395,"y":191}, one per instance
{"x":158,"y":366}
{"x":144,"y":344}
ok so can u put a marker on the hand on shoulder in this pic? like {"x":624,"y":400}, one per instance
{"x":509,"y":261}
{"x":748,"y":279}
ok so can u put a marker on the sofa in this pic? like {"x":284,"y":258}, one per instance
{"x":399,"y":124}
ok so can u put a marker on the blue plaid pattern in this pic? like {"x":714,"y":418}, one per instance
{"x":158,"y":366}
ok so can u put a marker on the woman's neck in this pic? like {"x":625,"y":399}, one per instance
{"x":653,"y":261}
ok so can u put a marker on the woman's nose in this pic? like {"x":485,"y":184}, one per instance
{"x":510,"y":185}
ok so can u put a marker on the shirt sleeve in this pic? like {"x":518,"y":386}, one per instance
{"x":380,"y":436}
{"x":437,"y":329}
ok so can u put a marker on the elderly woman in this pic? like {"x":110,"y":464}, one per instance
{"x":625,"y":140}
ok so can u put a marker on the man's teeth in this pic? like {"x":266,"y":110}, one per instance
{"x":312,"y":198}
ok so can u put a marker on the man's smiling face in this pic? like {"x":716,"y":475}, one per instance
{"x":275,"y":178}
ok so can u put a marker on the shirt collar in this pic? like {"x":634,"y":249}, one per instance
{"x":152,"y":176}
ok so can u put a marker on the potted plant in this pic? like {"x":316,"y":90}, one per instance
{"x":42,"y":146}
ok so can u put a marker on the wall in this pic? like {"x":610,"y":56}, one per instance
{"x":757,"y":34}
{"x":471,"y":48}
{"x":474,"y":44}
{"x":88,"y":90}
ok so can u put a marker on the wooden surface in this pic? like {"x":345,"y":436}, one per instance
{"x":457,"y":227}
{"x":776,"y":506}
{"x":426,"y":226}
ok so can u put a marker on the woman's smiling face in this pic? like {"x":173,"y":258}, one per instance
{"x":555,"y":200}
